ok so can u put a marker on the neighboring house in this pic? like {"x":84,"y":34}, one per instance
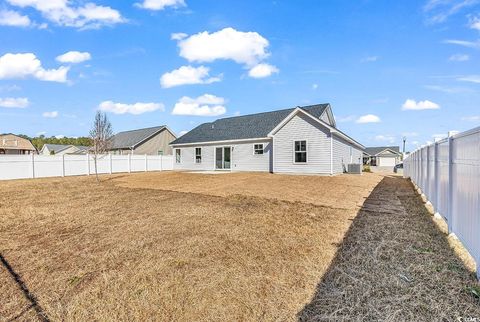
{"x":385,"y":156}
{"x":13,"y":144}
{"x":61,"y":149}
{"x":152,"y":141}
{"x":296,"y":140}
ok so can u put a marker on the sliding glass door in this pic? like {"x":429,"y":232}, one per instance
{"x":223,"y":158}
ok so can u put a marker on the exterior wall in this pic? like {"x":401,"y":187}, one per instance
{"x":15,"y":151}
{"x":159,"y":142}
{"x":343,"y":154}
{"x":243,"y":158}
{"x":301,"y":127}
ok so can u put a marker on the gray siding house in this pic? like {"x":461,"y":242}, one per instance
{"x":296,"y":140}
{"x":151,"y":141}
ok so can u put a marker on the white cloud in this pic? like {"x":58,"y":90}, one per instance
{"x":459,"y":57}
{"x":247,"y":48}
{"x":474,"y":118}
{"x":14,"y":19}
{"x":10,"y":102}
{"x":464,"y":43}
{"x":420,"y":105}
{"x":205,"y":105}
{"x":343,"y":119}
{"x":51,"y":115}
{"x":60,"y":136}
{"x":62,"y":13}
{"x":182,"y":133}
{"x":369,"y":118}
{"x":262,"y":70}
{"x":14,"y":66}
{"x":178,"y":36}
{"x":314,"y":86}
{"x":385,"y":138}
{"x":437,"y":137}
{"x":470,"y":78}
{"x":370,"y":59}
{"x":448,"y":89}
{"x":475,"y":23}
{"x":187,"y":75}
{"x":74,"y":57}
{"x":135,"y":109}
{"x":440,"y":10}
{"x":160,"y":4}
{"x":41,"y":133}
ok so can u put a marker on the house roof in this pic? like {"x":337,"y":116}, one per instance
{"x":15,"y":142}
{"x":378,"y":149}
{"x":60,"y":147}
{"x":130,"y":139}
{"x":243,"y":127}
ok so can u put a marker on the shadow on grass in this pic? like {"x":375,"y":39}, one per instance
{"x":42,"y":316}
{"x":394,"y":264}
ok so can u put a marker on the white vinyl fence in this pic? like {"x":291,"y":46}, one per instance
{"x":42,"y":166}
{"x":448,"y":173}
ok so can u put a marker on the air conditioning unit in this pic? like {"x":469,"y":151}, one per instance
{"x":354,"y":168}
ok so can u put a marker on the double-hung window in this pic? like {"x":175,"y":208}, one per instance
{"x":198,"y":155}
{"x":258,"y":148}
{"x":178,"y":156}
{"x":300,"y":151}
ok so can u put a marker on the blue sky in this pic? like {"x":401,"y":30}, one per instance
{"x":389,"y":69}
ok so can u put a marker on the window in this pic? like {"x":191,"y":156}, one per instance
{"x":300,"y":151}
{"x":160,"y":152}
{"x":258,"y":149}
{"x":178,"y":156}
{"x":198,"y":155}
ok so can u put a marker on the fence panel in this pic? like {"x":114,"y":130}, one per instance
{"x":448,"y":173}
{"x":42,"y":166}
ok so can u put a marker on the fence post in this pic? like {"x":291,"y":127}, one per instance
{"x":33,"y":165}
{"x":129,"y":163}
{"x":161,"y":162}
{"x":63,"y":165}
{"x":110,"y":161}
{"x":146,"y":163}
{"x":450,"y":184}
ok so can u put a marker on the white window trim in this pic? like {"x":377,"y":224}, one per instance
{"x":263,"y":149}
{"x":195,"y":155}
{"x":306,"y":151}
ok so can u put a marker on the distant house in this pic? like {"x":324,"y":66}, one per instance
{"x":13,"y":144}
{"x":301,"y":140}
{"x":61,"y":149}
{"x":152,"y":141}
{"x":384,"y":156}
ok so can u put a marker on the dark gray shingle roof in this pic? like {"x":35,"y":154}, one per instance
{"x":60,"y":147}
{"x":377,"y":149}
{"x":129,"y":139}
{"x":243,"y":127}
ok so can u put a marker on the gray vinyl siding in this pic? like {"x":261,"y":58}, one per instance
{"x":301,"y":127}
{"x":343,"y":154}
{"x":243,"y":158}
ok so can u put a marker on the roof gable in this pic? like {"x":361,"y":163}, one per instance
{"x":243,"y":127}
{"x":380,"y":149}
{"x":130,"y":139}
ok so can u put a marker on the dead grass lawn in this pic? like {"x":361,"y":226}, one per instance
{"x":173,"y":246}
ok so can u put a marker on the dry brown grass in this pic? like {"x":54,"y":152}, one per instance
{"x":395,"y":265}
{"x":182,"y":251}
{"x":191,"y":247}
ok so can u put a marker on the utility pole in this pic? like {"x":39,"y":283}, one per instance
{"x":404,"y":141}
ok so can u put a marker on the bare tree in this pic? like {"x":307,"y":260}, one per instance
{"x":101,"y":134}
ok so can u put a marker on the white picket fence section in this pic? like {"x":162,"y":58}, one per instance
{"x":42,"y":166}
{"x":448,"y":173}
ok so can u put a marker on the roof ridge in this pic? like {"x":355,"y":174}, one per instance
{"x":266,"y":112}
{"x":145,"y":128}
